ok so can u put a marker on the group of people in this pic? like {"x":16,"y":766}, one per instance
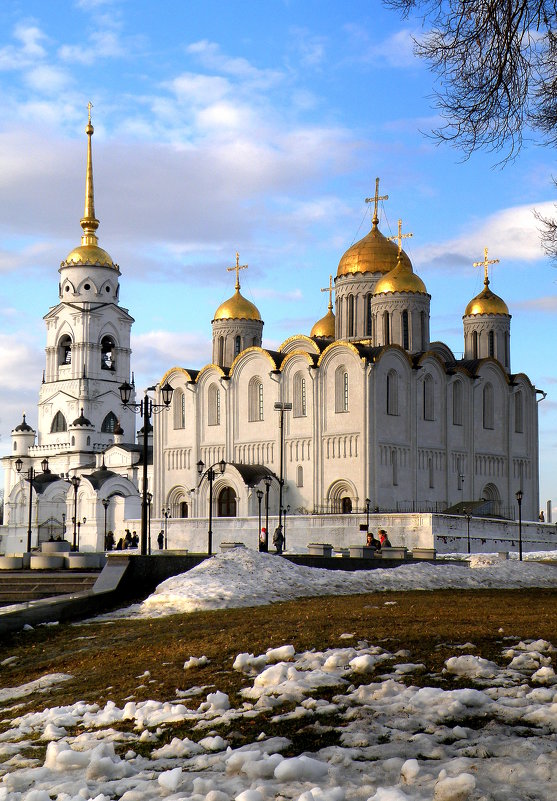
{"x":128,"y":541}
{"x":278,"y":540}
{"x":382,"y":542}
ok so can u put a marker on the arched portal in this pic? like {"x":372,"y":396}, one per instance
{"x":341,"y":497}
{"x":226,"y":503}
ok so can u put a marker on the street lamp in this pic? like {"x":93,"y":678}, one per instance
{"x":267,"y":481}
{"x":166,"y":515}
{"x":282,"y":408}
{"x":468,"y":516}
{"x":211,"y":475}
{"x":75,"y":481}
{"x":31,"y":474}
{"x":106,"y":503}
{"x":259,"y":494}
{"x":368,"y":503}
{"x":519,"y":495}
{"x":149,"y":502}
{"x":146,"y":408}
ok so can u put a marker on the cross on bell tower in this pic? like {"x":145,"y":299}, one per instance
{"x":375,"y":200}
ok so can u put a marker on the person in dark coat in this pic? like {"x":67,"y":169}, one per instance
{"x":278,"y":539}
{"x":383,"y":539}
{"x":160,"y":539}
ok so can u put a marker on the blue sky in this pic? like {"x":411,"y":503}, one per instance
{"x":249,"y":126}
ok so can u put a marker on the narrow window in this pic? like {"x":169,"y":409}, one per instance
{"x":428,"y":398}
{"x":518,"y":413}
{"x":260,"y":401}
{"x":386,"y":329}
{"x":300,"y":476}
{"x":58,"y":423}
{"x":237,"y":344}
{"x":405,"y":338}
{"x":457,"y":403}
{"x":299,"y":396}
{"x":369,"y":318}
{"x":392,"y":392}
{"x":345,"y":392}
{"x":221,"y":350}
{"x":474,"y":344}
{"x":213,"y":398}
{"x":183,"y":509}
{"x":341,"y":389}
{"x":109,"y":423}
{"x":65,"y":350}
{"x":108,"y":361}
{"x":350,"y":315}
{"x":179,"y":404}
{"x":491,"y":343}
{"x":488,"y":406}
{"x":255,"y":400}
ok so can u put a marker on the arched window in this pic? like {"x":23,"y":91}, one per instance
{"x":183,"y":509}
{"x":369,"y":317}
{"x":405,"y":337}
{"x":226,"y":503}
{"x":299,"y":476}
{"x":428,"y":398}
{"x":488,"y":406}
{"x":73,"y":441}
{"x":491,"y":343}
{"x":88,"y":440}
{"x":341,"y":389}
{"x":350,"y":315}
{"x":65,"y":350}
{"x":213,"y":398}
{"x":255,"y":399}
{"x":386,"y":329}
{"x":237,"y":344}
{"x":392,"y":392}
{"x":179,"y":408}
{"x":518,"y":413}
{"x":58,"y":423}
{"x":221,"y":350}
{"x":474,"y":344}
{"x":299,"y":396}
{"x":457,"y":403}
{"x":108,"y":360}
{"x":109,"y":423}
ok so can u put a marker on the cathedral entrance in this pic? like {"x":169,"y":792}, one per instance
{"x":346,"y":506}
{"x":226,"y":503}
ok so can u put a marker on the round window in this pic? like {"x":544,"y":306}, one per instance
{"x":66,"y":289}
{"x":107,"y":289}
{"x":87,"y":286}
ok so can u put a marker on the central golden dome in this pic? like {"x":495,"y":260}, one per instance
{"x":89,"y":255}
{"x":401,"y":279}
{"x":487,"y":302}
{"x":237,"y":308}
{"x":325,"y":327}
{"x":372,"y":254}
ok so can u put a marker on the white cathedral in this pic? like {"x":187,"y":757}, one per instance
{"x":381,"y":418}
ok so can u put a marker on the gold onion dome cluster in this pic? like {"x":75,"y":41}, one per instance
{"x":401,"y":279}
{"x":487,"y":302}
{"x":237,"y":308}
{"x":372,"y":254}
{"x":325,"y":327}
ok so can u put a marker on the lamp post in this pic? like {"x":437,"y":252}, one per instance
{"x":166,"y":515}
{"x":146,"y":408}
{"x":519,"y":495}
{"x":75,"y":481}
{"x":106,"y":504}
{"x":149,"y":502}
{"x":267,"y":481}
{"x":282,"y":408}
{"x":211,"y":475}
{"x":468,"y":516}
{"x":368,"y":503}
{"x":259,"y":494}
{"x":31,"y":474}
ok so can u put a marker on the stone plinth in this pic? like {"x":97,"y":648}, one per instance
{"x":11,"y":562}
{"x":82,"y":561}
{"x":228,"y":546}
{"x":424,"y":553}
{"x":362,"y":552}
{"x":46,"y":561}
{"x":56,"y":546}
{"x":320,"y":549}
{"x":395,"y":552}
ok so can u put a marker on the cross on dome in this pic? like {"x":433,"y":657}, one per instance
{"x":237,"y":269}
{"x":399,"y":237}
{"x":485,"y":264}
{"x":375,"y":200}
{"x":330,"y":289}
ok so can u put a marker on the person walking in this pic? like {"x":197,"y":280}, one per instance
{"x":278,"y":539}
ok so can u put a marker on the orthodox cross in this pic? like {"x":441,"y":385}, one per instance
{"x":330,"y":289}
{"x":485,"y":264}
{"x":375,"y":200}
{"x":399,"y":237}
{"x":237,"y":268}
{"x":89,"y":107}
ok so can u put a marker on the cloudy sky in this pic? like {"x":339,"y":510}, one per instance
{"x":249,"y":126}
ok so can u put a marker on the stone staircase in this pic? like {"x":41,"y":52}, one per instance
{"x":24,"y":585}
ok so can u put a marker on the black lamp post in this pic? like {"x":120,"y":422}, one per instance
{"x":149,"y":502}
{"x":282,"y":408}
{"x":31,"y":474}
{"x":166,"y":515}
{"x":468,"y":516}
{"x":259,"y":494}
{"x":368,"y":503}
{"x":211,"y":475}
{"x":106,"y":504}
{"x":146,"y":408}
{"x":519,"y":495}
{"x":75,"y":481}
{"x":267,"y":481}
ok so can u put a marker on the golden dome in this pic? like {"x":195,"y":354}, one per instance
{"x":90,"y":255}
{"x":401,"y":279}
{"x":325,"y":327}
{"x":372,"y":254}
{"x":237,"y":308}
{"x":487,"y":302}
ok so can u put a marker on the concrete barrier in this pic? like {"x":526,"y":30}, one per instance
{"x":82,"y":561}
{"x":228,"y":546}
{"x":45,"y":561}
{"x":55,"y":546}
{"x":394,"y":553}
{"x":320,"y":549}
{"x":362,"y":552}
{"x":11,"y":562}
{"x":423,"y":553}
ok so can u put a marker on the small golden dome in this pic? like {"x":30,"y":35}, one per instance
{"x":237,"y":308}
{"x":401,"y":279}
{"x":325,"y":327}
{"x":89,"y":255}
{"x":372,"y":254}
{"x":487,"y":302}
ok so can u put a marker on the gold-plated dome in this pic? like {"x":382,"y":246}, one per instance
{"x":401,"y":279}
{"x":325,"y":327}
{"x":487,"y":302}
{"x":90,"y":255}
{"x":237,"y":308}
{"x":372,"y":254}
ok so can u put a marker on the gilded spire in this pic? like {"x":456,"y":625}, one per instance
{"x":89,"y":222}
{"x":375,"y":200}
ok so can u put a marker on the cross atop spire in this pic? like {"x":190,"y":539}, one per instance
{"x":330,"y":289}
{"x":237,"y":269}
{"x":89,"y":222}
{"x":485,"y":264}
{"x":399,"y":237}
{"x":375,"y":200}
{"x":89,"y":107}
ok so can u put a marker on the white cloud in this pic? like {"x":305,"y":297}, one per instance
{"x":156,"y":351}
{"x":47,"y":79}
{"x":200,"y":89}
{"x":395,"y":51}
{"x":30,"y":37}
{"x":211,"y":57}
{"x":547,"y":304}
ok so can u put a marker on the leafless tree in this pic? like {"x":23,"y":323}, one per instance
{"x":497,"y":66}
